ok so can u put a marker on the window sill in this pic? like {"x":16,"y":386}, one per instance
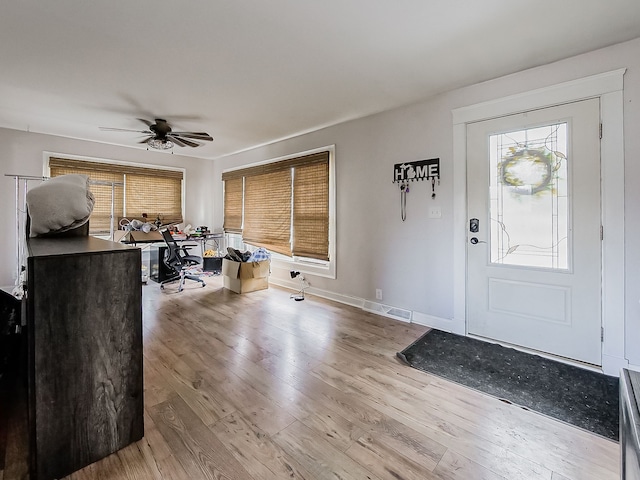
{"x":324,"y":269}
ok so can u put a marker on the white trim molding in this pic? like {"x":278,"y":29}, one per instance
{"x":369,"y":306}
{"x":608,"y":87}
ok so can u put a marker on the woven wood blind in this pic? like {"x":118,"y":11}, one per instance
{"x":269,"y":204}
{"x":322,"y":157}
{"x":311,"y":211}
{"x":157,"y":196}
{"x":113,"y":167}
{"x":267,"y":211}
{"x":153,"y":191}
{"x":233,"y":205}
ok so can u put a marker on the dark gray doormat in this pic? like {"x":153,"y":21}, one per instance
{"x":583,"y":398}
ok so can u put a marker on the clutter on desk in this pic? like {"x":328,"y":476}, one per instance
{"x":136,"y":225}
{"x":200,"y":231}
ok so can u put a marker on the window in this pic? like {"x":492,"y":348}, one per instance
{"x":283,"y":205}
{"x":154,"y":191}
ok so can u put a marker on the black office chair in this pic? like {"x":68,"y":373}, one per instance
{"x":178,"y":259}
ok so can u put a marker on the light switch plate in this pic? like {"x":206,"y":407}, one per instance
{"x":435,"y":212}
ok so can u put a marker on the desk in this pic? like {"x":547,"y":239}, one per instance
{"x":154,"y":262}
{"x":213,"y":241}
{"x":158,"y":270}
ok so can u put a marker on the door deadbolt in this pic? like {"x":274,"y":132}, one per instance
{"x":474,"y":225}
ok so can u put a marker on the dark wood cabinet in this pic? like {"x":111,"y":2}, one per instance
{"x":84,"y":314}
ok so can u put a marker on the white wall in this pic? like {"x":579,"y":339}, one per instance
{"x":21,"y":153}
{"x":412,"y":261}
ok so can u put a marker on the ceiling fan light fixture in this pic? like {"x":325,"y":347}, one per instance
{"x":160,"y":144}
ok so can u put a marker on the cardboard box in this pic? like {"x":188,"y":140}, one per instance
{"x":136,"y":236}
{"x":243,"y":277}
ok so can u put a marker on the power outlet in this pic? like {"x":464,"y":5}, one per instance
{"x":378,"y":294}
{"x":435,"y":212}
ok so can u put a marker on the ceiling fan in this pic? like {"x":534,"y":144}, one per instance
{"x":160,"y":135}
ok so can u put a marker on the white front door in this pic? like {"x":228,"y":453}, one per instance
{"x":533,"y":237}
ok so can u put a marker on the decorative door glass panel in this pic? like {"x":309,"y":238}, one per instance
{"x":529,"y":197}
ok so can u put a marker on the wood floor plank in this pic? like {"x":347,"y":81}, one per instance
{"x":156,"y":451}
{"x":199,"y":451}
{"x":156,"y":388}
{"x":135,"y":464}
{"x":317,"y":456}
{"x":205,"y":400}
{"x":454,"y":466}
{"x":262,"y":411}
{"x":258,"y":453}
{"x":401,"y":436}
{"x":386,"y":462}
{"x":439,"y":430}
{"x":334,"y":428}
{"x":472,"y":420}
{"x":109,"y":468}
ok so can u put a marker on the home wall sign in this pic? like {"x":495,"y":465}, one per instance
{"x":406,"y":172}
{"x":418,"y":170}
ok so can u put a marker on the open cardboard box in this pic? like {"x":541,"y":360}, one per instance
{"x":137,"y":236}
{"x":243,"y":277}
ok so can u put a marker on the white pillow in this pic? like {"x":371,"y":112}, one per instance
{"x":59,"y":204}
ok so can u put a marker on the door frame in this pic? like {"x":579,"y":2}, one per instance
{"x":608,"y":87}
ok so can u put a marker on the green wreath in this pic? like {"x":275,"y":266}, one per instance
{"x":542,"y":171}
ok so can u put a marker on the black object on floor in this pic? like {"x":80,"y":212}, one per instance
{"x":583,"y":398}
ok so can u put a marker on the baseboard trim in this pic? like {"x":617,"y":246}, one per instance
{"x":337,"y":297}
{"x":439,"y":323}
{"x":613,"y":365}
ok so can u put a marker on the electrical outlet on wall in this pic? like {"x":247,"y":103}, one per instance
{"x":378,"y":294}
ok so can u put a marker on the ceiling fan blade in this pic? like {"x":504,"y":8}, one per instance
{"x":183,"y":140}
{"x":177,"y":141}
{"x":145,"y":140}
{"x":109,"y":129}
{"x":146,"y":122}
{"x":195,"y":135}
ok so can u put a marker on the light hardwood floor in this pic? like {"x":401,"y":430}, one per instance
{"x":258,"y":386}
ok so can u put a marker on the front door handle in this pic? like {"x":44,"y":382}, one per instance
{"x":474,"y":240}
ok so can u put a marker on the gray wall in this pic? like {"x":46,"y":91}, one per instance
{"x":412,"y":261}
{"x":21,"y":153}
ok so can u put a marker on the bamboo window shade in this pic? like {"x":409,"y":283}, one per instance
{"x":157,"y":196}
{"x":267,"y":211}
{"x":233,"y":205}
{"x":286,"y":205}
{"x":311,"y":211}
{"x":156,"y":192}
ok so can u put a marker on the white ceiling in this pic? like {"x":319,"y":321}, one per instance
{"x":253,"y":71}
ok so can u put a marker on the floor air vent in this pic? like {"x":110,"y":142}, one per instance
{"x":387,"y":311}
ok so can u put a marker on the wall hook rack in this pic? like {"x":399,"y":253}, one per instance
{"x":418,"y":170}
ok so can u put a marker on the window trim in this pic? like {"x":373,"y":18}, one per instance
{"x":46,"y":155}
{"x":304,"y":265}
